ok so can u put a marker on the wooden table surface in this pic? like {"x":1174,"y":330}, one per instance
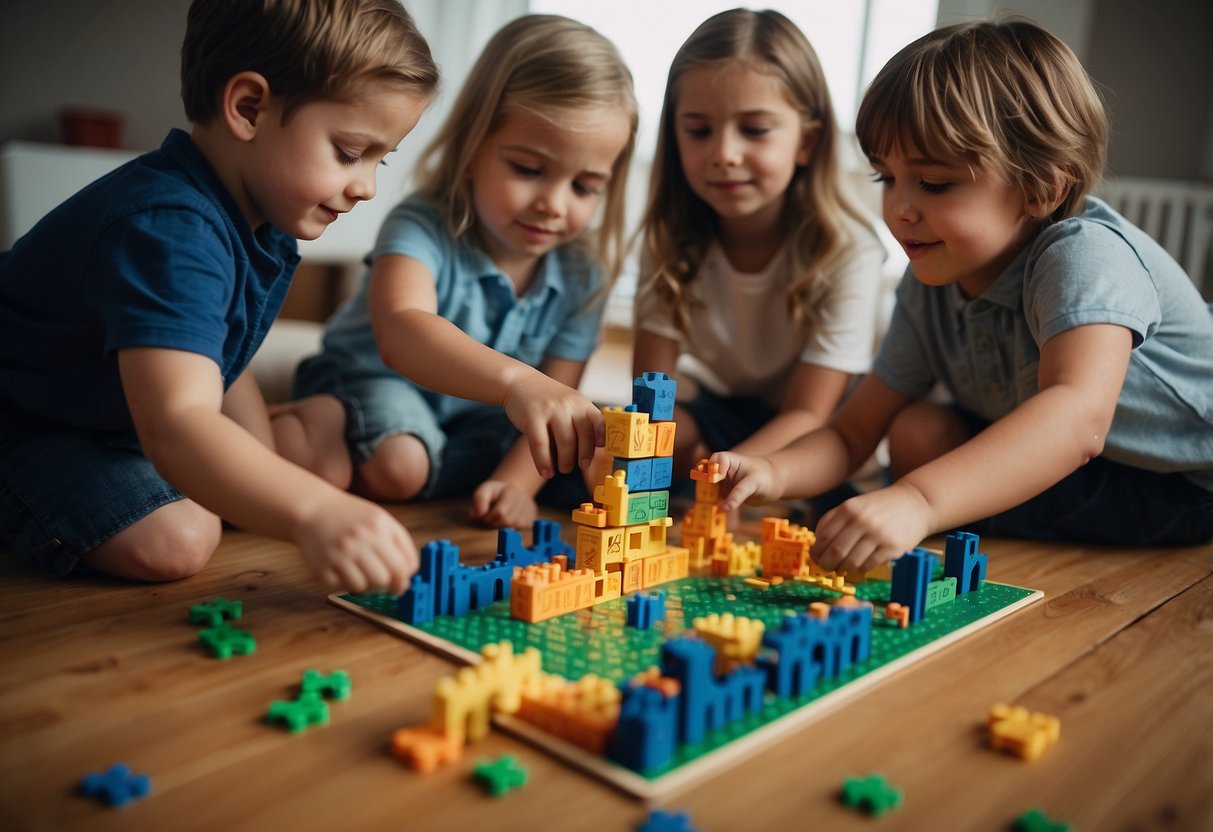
{"x":98,"y":671}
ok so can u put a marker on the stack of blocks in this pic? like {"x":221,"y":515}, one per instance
{"x":621,"y":538}
{"x":703,"y":528}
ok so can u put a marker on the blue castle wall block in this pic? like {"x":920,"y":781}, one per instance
{"x":645,"y":609}
{"x":654,"y":393}
{"x":911,"y":574}
{"x":708,"y":702}
{"x":962,"y":562}
{"x":803,"y":654}
{"x":646,"y":734}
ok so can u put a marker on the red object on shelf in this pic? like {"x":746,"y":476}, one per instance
{"x":91,"y":128}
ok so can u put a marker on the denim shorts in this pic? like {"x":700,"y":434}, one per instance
{"x":65,"y":491}
{"x":1107,"y":503}
{"x":463,"y":451}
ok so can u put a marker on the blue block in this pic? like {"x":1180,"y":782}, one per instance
{"x":637,"y":473}
{"x":644,"y":609}
{"x":803,"y":650}
{"x":663,"y":472}
{"x":646,"y":735}
{"x":654,"y":393}
{"x":117,"y":786}
{"x":962,"y":562}
{"x":911,"y":574}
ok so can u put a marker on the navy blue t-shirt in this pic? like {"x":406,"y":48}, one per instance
{"x":154,"y":254}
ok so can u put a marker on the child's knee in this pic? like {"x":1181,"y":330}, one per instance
{"x":171,"y":543}
{"x":398,"y":470}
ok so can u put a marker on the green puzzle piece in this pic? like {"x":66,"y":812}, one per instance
{"x":297,"y":714}
{"x":871,"y":794}
{"x":501,"y":775}
{"x":335,"y":686}
{"x":213,"y":613}
{"x":225,"y":640}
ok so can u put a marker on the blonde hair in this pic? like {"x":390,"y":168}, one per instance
{"x":548,"y":66}
{"x":679,"y":226}
{"x":306,"y":49}
{"x":1007,"y":96}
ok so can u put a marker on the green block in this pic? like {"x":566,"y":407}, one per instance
{"x":940,"y":592}
{"x":501,"y":775}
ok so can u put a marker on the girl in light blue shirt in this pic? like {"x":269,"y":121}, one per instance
{"x":485,"y":292}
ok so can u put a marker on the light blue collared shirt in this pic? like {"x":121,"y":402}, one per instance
{"x":1095,"y":268}
{"x":558,"y":316}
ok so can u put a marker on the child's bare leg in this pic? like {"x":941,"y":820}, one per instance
{"x":397,"y":471}
{"x":311,"y":434}
{"x":175,"y":541}
{"x":920,"y":433}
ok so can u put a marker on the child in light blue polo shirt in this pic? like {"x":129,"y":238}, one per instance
{"x":485,"y":293}
{"x":1076,"y":351}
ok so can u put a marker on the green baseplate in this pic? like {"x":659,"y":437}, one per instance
{"x":597,"y":640}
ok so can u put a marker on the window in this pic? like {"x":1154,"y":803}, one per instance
{"x":853,"y":39}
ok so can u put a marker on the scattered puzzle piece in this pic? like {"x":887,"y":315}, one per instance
{"x":335,"y":686}
{"x":117,"y":786}
{"x":297,"y":714}
{"x":871,"y":795}
{"x":1016,"y":731}
{"x":1035,"y":820}
{"x":224,"y":640}
{"x":662,"y":821}
{"x":213,"y":613}
{"x":424,"y":748}
{"x":500,"y":775}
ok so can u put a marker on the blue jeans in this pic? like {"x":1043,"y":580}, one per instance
{"x":65,"y":491}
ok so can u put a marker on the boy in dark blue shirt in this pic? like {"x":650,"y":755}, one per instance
{"x":129,"y":314}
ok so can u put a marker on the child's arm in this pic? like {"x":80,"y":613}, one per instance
{"x":819,"y":461}
{"x":813,"y":394}
{"x":418,"y":343}
{"x":1036,"y":445}
{"x":176,"y":401}
{"x":653,"y":353}
{"x":244,"y":405}
{"x":507,"y":497}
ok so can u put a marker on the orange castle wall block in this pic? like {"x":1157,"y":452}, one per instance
{"x":545,"y":590}
{"x":584,"y":712}
{"x":785,"y":548}
{"x":669,"y":566}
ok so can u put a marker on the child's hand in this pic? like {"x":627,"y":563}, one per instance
{"x":552,"y":415}
{"x":872,"y":529}
{"x":353,"y":544}
{"x":498,"y":503}
{"x":747,"y":478}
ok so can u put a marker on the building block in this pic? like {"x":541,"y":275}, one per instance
{"x":647,"y":732}
{"x":639,"y":509}
{"x":707,"y":471}
{"x":213,"y":613}
{"x":663,"y":439}
{"x":627,"y":432}
{"x":335,"y":686}
{"x":296,"y":714}
{"x":584,"y":712}
{"x":669,"y":566}
{"x":662,"y":821}
{"x":637,"y":473}
{"x":224,"y":641}
{"x":786,"y":548}
{"x":424,"y":748}
{"x":612,"y":495}
{"x":871,"y":795}
{"x":940,"y":592}
{"x":500,"y":775}
{"x":631,"y":576}
{"x":590,"y":515}
{"x":545,"y":591}
{"x":962,"y":561}
{"x":645,"y":609}
{"x":735,"y":638}
{"x":1019,"y":732}
{"x":654,"y":393}
{"x":1035,"y":820}
{"x":599,"y":548}
{"x":911,"y":574}
{"x":116,"y":786}
{"x":899,"y":613}
{"x":663,"y":472}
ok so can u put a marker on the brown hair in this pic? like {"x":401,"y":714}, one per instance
{"x":1007,"y":96}
{"x":306,"y":49}
{"x":679,"y":226}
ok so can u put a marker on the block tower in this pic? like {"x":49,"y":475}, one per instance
{"x":621,"y":542}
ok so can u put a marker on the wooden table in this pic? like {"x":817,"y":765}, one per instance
{"x":98,"y":671}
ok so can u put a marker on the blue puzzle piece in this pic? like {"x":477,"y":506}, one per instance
{"x":662,"y":821}
{"x":117,"y":786}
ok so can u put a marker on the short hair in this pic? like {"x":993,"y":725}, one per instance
{"x":307,"y":50}
{"x":1006,"y":96}
{"x":679,"y":225}
{"x":550,"y":66}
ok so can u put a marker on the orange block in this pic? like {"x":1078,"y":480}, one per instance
{"x":590,"y":515}
{"x":424,"y":748}
{"x":598,"y":548}
{"x":707,"y":471}
{"x":670,"y":566}
{"x":628,"y":433}
{"x":664,"y":440}
{"x":545,"y":591}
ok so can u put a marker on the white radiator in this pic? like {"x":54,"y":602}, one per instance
{"x":1179,"y":215}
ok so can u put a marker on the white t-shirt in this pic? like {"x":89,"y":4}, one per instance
{"x":742,"y":341}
